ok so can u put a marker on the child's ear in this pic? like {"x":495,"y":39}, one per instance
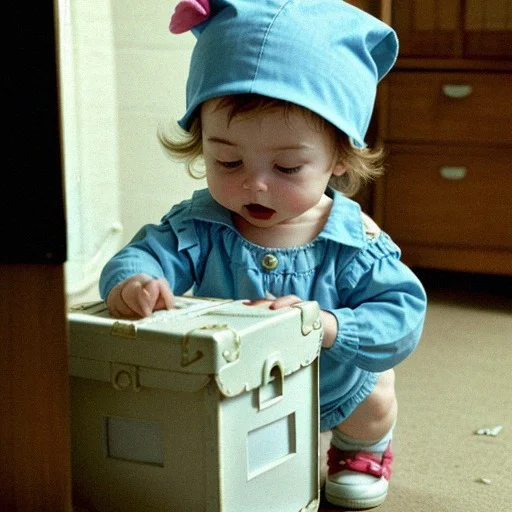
{"x":339,"y":169}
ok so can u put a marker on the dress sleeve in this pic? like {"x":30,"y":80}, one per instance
{"x":167,"y":250}
{"x":383,"y":312}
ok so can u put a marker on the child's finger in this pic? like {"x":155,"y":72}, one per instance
{"x":136,"y":298}
{"x":166,"y":298}
{"x":285,"y":302}
{"x":160,"y":293}
{"x":117,"y":306}
{"x":147,"y":299}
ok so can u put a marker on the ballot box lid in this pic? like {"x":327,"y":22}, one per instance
{"x":238,"y":345}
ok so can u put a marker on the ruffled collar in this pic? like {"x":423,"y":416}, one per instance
{"x":344,"y":224}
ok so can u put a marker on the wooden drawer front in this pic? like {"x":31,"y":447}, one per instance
{"x":423,"y":207}
{"x":422,"y":107}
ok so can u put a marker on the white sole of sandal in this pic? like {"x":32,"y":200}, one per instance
{"x":356,"y":497}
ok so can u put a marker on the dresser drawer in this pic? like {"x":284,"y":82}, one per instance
{"x":449,"y":107}
{"x":457,"y":197}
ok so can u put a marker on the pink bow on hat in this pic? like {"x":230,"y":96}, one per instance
{"x":188,"y":14}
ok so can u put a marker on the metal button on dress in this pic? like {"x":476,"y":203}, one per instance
{"x":269,"y":262}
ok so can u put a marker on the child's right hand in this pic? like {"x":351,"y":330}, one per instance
{"x":139,"y":296}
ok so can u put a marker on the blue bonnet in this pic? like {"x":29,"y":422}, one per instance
{"x":325,"y":55}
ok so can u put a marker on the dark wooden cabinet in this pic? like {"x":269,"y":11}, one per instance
{"x":454,"y":28}
{"x":35,"y":462}
{"x":444,"y":114}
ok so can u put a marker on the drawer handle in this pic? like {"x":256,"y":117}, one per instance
{"x":457,"y":91}
{"x":453,"y":173}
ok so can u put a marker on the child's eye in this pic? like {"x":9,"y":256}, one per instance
{"x":230,"y":165}
{"x":288,"y":170}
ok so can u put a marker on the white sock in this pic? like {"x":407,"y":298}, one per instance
{"x":347,"y":443}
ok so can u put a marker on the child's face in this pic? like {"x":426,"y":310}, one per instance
{"x":269,"y":168}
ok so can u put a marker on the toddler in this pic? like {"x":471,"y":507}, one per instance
{"x":279,"y":98}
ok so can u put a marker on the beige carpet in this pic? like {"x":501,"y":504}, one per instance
{"x":458,"y":381}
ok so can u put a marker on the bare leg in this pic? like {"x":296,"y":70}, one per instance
{"x":374,"y":417}
{"x":360,"y":458}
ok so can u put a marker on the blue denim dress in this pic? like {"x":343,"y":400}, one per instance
{"x":355,"y":274}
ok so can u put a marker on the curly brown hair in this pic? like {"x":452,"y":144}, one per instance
{"x":362,"y":164}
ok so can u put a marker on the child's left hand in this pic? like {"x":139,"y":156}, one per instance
{"x":329,"y":322}
{"x":274,"y":302}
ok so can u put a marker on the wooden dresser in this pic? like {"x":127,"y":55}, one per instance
{"x":445,"y":116}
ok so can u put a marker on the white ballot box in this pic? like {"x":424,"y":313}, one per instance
{"x":212,"y":406}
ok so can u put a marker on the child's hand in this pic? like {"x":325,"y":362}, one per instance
{"x":139,"y":296}
{"x":329,"y":322}
{"x":276,"y":303}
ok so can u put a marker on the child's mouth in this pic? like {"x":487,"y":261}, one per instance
{"x":259,"y":211}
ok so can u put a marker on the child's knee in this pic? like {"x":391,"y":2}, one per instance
{"x":382,"y":401}
{"x":376,"y":414}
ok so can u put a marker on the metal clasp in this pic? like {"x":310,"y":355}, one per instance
{"x":124,"y":330}
{"x":124,"y":377}
{"x":229,"y":355}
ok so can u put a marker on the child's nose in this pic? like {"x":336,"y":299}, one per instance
{"x":255,"y":181}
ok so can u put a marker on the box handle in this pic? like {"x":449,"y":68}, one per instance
{"x":457,"y":91}
{"x":271,"y":390}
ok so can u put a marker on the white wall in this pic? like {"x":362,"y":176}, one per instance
{"x":122,"y":74}
{"x":152,"y":66}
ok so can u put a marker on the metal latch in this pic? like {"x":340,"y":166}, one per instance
{"x":124,"y":330}
{"x":229,"y":355}
{"x":124,"y":377}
